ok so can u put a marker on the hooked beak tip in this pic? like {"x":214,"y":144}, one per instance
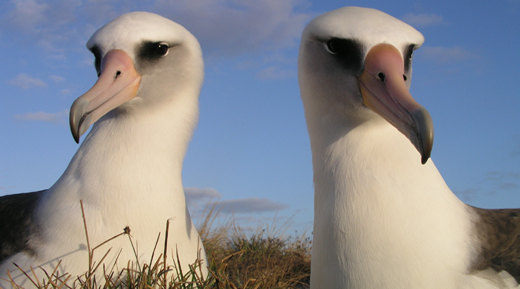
{"x":77,"y":117}
{"x":423,"y":132}
{"x":76,"y":138}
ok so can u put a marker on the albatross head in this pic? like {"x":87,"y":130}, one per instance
{"x":140,"y":59}
{"x":358,"y":61}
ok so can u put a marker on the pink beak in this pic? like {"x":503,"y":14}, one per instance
{"x":117,"y":84}
{"x":384,"y":90}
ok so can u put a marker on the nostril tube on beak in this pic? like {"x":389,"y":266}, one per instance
{"x":381,"y":76}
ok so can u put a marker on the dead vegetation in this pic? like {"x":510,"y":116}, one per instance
{"x":238,"y":259}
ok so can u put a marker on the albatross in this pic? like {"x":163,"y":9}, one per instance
{"x":127,"y":171}
{"x":383,"y":215}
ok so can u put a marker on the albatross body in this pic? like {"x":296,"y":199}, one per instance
{"x":127,"y":171}
{"x":384,"y":217}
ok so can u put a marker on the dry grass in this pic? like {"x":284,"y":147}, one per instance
{"x":261,"y":259}
{"x":238,"y":259}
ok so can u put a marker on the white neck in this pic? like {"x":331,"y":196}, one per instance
{"x":382,"y":220}
{"x":128,"y":168}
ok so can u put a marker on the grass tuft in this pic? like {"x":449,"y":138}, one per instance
{"x":238,"y":259}
{"x":265,"y":258}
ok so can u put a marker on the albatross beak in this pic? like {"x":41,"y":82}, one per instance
{"x":117,"y":84}
{"x":384,"y":90}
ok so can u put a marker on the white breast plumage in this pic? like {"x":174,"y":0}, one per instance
{"x":127,"y":171}
{"x":384,"y":217}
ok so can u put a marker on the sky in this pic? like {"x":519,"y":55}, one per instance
{"x":251,"y":151}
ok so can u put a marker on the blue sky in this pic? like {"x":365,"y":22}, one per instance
{"x":251,"y":147}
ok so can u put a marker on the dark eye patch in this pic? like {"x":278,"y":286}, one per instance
{"x":97,"y":54}
{"x":162,"y":49}
{"x":408,"y":55}
{"x":348,"y":51}
{"x":152,"y":50}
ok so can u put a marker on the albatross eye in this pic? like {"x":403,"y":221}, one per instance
{"x":334,"y":45}
{"x":162,"y":49}
{"x":152,"y":51}
{"x":348,"y":52}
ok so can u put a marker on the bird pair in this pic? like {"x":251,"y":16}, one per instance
{"x":384,"y":217}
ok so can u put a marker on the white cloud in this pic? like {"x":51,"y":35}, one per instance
{"x":49,"y":24}
{"x":447,"y":54}
{"x":224,"y":27}
{"x":494,"y":182}
{"x":65,"y":92}
{"x":58,"y":117}
{"x":508,"y":186}
{"x":232,"y":27}
{"x":468,"y":195}
{"x":37,"y":16}
{"x":201,"y":201}
{"x":498,"y":175}
{"x":274,"y":72}
{"x":274,"y":65}
{"x":27,"y":14}
{"x":100,"y":12}
{"x":280,"y":58}
{"x":26,"y":81}
{"x":422,"y":20}
{"x":57,"y":78}
{"x":249,"y":205}
{"x":199,"y":193}
{"x":196,"y":196}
